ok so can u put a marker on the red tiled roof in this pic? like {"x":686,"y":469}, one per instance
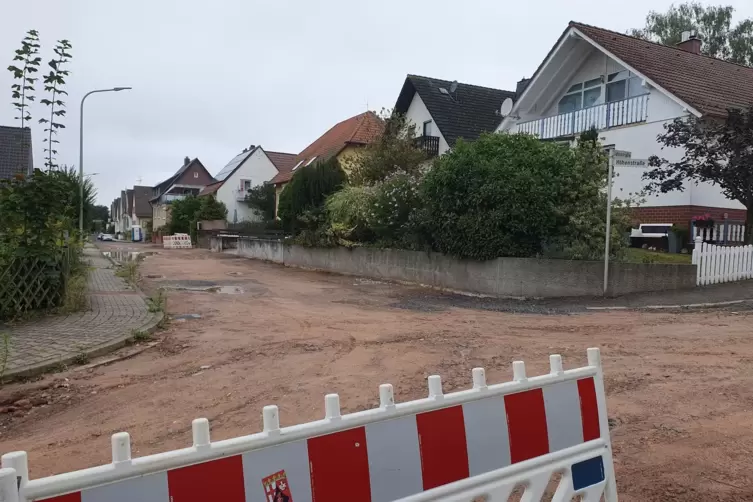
{"x":282,"y":161}
{"x":210,"y":189}
{"x":708,"y":84}
{"x":359,"y":130}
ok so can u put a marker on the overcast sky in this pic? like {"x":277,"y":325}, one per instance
{"x":211,"y":77}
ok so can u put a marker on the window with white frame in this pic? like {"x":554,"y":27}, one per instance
{"x":580,"y":95}
{"x":245,"y":185}
{"x":622,"y":85}
{"x":615,"y":87}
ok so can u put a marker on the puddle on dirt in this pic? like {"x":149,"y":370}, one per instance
{"x":205,"y":287}
{"x":122,"y":256}
{"x":227,"y":290}
{"x":185,"y":317}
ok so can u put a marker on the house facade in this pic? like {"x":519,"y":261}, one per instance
{"x":190,"y":179}
{"x":343,"y":141}
{"x":253,"y":166}
{"x":141,"y":210}
{"x":443,"y":111}
{"x":115,"y":214}
{"x":629,"y":89}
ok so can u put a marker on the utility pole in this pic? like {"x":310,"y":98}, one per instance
{"x":609,"y":220}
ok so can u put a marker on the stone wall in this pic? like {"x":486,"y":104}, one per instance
{"x":259,"y":249}
{"x":503,"y":277}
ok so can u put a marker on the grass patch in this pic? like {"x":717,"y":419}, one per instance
{"x":158,"y":301}
{"x":4,"y":353}
{"x":129,"y":271}
{"x":81,"y":358}
{"x":637,"y":255}
{"x":76,"y":291}
{"x":141,"y":336}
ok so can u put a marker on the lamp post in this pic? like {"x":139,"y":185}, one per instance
{"x":81,"y":156}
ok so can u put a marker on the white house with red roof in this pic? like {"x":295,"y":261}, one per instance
{"x":253,"y":166}
{"x":629,"y":88}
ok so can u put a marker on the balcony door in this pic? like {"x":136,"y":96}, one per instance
{"x":427,"y":130}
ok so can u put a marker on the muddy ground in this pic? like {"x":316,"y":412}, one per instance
{"x":679,"y":385}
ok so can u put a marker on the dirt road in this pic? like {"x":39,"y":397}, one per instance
{"x":679,"y":384}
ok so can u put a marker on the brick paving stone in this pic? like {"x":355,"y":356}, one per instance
{"x":115,"y":310}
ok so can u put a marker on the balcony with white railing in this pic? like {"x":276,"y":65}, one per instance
{"x":628,"y":111}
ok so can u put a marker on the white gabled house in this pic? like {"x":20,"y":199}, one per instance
{"x":629,"y":88}
{"x":252,"y":167}
{"x":444,"y":111}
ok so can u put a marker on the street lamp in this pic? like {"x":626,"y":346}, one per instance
{"x":81,"y":155}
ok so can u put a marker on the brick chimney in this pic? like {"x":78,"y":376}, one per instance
{"x":690,"y":42}
{"x":186,"y":161}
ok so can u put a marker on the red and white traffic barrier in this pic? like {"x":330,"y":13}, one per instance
{"x":481,"y":441}
{"x":177,"y":241}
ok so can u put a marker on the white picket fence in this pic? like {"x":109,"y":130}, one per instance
{"x":177,"y":241}
{"x":481,"y":442}
{"x":721,"y":232}
{"x":717,"y":264}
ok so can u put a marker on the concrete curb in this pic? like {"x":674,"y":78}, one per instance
{"x":95,"y":351}
{"x":670,"y":307}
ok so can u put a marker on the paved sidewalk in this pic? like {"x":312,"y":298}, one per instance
{"x":116,"y":309}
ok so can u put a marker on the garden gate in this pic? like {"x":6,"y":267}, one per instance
{"x":484,"y":441}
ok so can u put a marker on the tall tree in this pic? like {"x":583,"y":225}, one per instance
{"x":22,"y":91}
{"x":262,"y":198}
{"x":713,"y":24}
{"x":53,"y":84}
{"x":394,"y":152}
{"x":716,"y":152}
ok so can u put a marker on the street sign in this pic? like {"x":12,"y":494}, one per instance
{"x":622,"y":154}
{"x":630,"y":162}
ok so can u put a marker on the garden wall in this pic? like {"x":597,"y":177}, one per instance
{"x":260,"y":249}
{"x":518,"y":277}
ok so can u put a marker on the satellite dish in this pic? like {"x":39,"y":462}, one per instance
{"x":443,"y":90}
{"x":453,"y":86}
{"x":506,"y":107}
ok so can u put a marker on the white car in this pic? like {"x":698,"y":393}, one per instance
{"x":106,"y":237}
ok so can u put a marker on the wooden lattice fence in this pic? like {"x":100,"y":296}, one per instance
{"x":33,"y":283}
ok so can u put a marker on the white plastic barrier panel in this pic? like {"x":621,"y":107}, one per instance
{"x":177,"y":241}
{"x":484,"y":441}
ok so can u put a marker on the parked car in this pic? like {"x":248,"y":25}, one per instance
{"x":106,"y":237}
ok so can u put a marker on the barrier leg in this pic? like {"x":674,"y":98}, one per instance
{"x":18,"y":462}
{"x":594,"y":359}
{"x":8,"y":485}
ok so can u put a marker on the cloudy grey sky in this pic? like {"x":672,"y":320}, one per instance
{"x":211,"y":77}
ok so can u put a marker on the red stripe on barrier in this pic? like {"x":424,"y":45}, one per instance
{"x":526,"y":425}
{"x":441,"y":440}
{"x":71,"y":497}
{"x":220,"y":480}
{"x":339,"y":466}
{"x":589,"y":409}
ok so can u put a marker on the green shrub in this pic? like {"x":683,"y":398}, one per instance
{"x":348,"y":214}
{"x":513,"y":195}
{"x":497,"y":196}
{"x":396,"y":199}
{"x":307,"y":191}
